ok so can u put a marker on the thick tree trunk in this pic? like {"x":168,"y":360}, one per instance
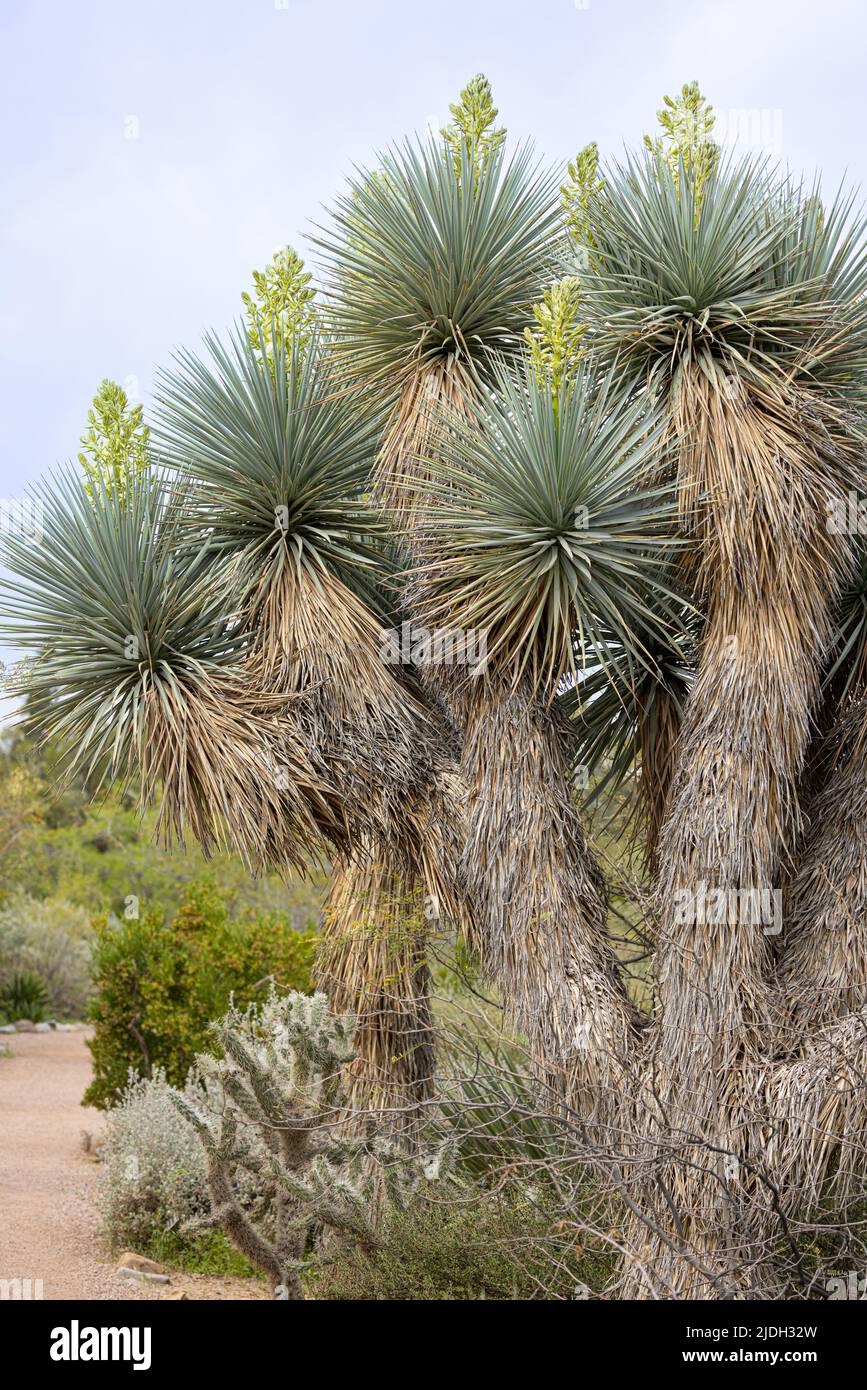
{"x":539,"y":922}
{"x":372,"y":963}
{"x":755,"y":478}
{"x":822,"y":969}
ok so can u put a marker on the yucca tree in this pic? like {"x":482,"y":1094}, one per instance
{"x":274,"y":467}
{"x":212,"y":629}
{"x":636,"y":506}
{"x":540,"y":532}
{"x":740,"y":313}
{"x":139,"y":673}
{"x":436,"y":259}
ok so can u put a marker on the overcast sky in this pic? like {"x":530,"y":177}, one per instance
{"x":154,"y":153}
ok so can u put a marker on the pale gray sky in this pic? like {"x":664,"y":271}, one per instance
{"x":248,"y":114}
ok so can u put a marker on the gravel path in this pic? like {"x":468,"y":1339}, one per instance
{"x":49,"y":1189}
{"x":49,"y":1192}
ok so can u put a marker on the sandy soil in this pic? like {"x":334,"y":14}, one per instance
{"x":49,"y":1190}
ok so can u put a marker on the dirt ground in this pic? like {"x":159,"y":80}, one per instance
{"x":49,"y":1190}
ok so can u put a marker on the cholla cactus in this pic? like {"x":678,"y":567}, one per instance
{"x":270,"y":1109}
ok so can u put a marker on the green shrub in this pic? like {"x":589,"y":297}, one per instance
{"x":200,"y":1252}
{"x":482,"y":1249}
{"x":23,"y":995}
{"x":159,"y":982}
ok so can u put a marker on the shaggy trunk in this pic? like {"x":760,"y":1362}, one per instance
{"x":375,"y":738}
{"x":822,"y":973}
{"x":380,"y":744}
{"x":372,"y":964}
{"x":729,"y":815}
{"x":540,"y":925}
{"x":441,"y":387}
{"x":657,"y":742}
{"x":529,"y":895}
{"x":771,"y":572}
{"x":817,"y":1105}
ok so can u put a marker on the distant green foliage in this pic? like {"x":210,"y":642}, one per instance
{"x":281,"y":303}
{"x":57,"y":799}
{"x":116,"y":443}
{"x":686,"y":142}
{"x":472,"y":127}
{"x":49,"y":939}
{"x":160,"y":982}
{"x":23,"y":803}
{"x":99,"y":857}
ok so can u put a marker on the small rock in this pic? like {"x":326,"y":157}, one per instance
{"x":140,"y":1276}
{"x":91,"y":1145}
{"x":25,"y":1025}
{"x":130,"y":1260}
{"x":8,"y":1028}
{"x":42,"y":1028}
{"x":175,"y":1294}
